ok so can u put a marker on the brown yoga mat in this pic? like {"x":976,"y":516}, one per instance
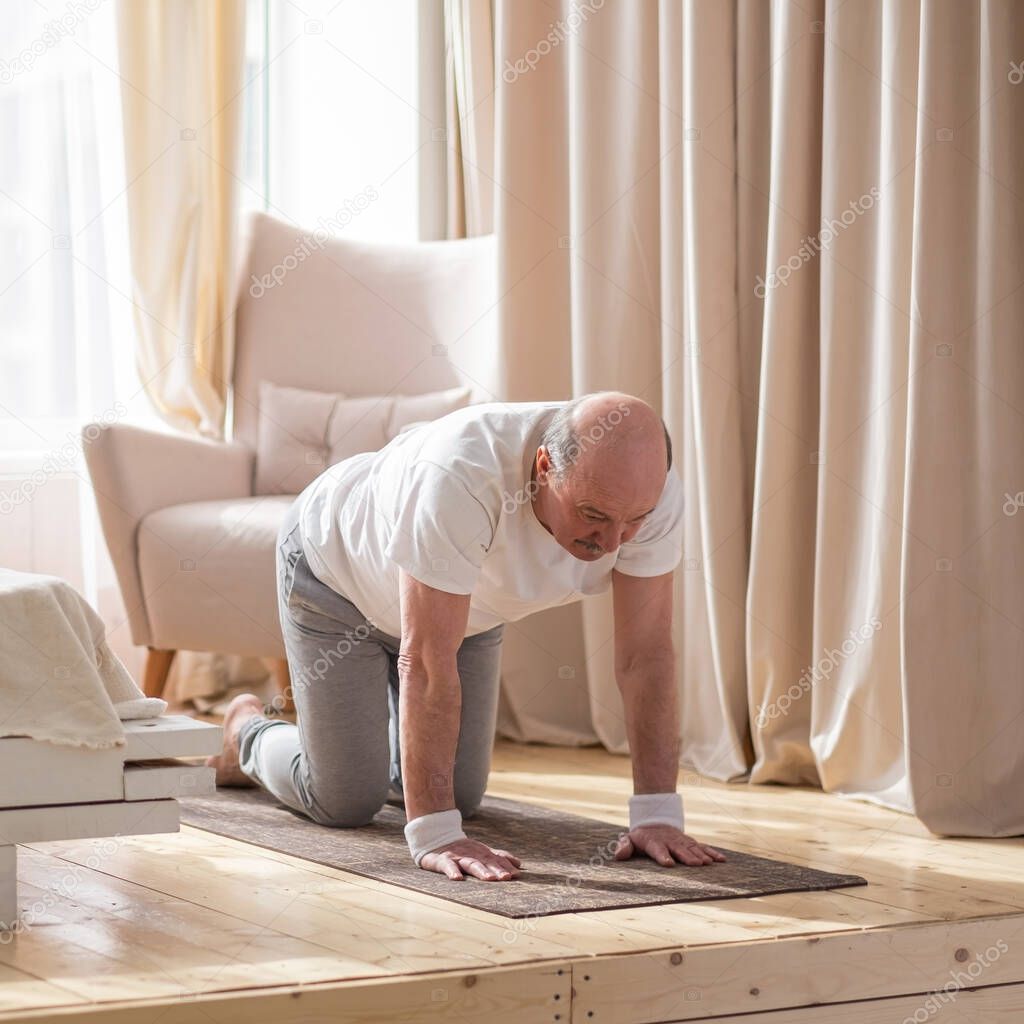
{"x":567,"y":860}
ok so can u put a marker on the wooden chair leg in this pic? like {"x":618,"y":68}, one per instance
{"x":158,"y":667}
{"x":282,"y":677}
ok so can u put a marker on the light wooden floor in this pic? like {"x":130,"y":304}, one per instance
{"x":195,"y":928}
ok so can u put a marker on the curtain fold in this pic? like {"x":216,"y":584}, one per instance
{"x":779,"y":173}
{"x":469,"y":115}
{"x":181,"y":64}
{"x":963,"y":591}
{"x":795,"y":229}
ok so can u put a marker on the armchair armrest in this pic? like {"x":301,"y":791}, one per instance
{"x":134,"y":472}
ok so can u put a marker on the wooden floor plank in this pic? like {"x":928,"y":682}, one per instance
{"x":521,"y":995}
{"x":699,"y":924}
{"x":192,"y":946}
{"x":940,"y":904}
{"x":21,"y":991}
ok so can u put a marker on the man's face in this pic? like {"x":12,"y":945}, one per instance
{"x":598,"y":506}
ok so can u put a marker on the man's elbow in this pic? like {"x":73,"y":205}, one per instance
{"x":646,"y":665}
{"x":423,"y":667}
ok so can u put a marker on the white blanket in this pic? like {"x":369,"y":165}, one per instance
{"x":59,"y":680}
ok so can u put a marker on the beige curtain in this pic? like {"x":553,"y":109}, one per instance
{"x":796,"y":228}
{"x":181,"y":65}
{"x":469,"y":116}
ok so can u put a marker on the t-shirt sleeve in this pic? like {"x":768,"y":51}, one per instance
{"x":658,"y":545}
{"x":442,"y":533}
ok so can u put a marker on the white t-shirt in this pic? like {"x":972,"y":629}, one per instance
{"x":449,"y":502}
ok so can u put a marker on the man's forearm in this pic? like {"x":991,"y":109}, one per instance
{"x":429,"y":710}
{"x":652,"y":724}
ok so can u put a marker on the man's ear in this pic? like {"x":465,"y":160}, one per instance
{"x":543,"y":463}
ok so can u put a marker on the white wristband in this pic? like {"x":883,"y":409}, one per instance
{"x":656,"y":809}
{"x":429,"y":831}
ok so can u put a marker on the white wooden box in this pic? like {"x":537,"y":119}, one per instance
{"x":50,"y":792}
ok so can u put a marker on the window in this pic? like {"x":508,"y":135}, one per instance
{"x":337,"y":115}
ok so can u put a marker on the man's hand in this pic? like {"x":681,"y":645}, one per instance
{"x":474,"y":858}
{"x":663,"y":843}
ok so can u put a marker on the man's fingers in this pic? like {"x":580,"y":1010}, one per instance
{"x":506,"y":869}
{"x":471,"y":859}
{"x":485,"y":872}
{"x":503,"y":863}
{"x":666,"y":851}
{"x":691,"y":853}
{"x":667,"y":855}
{"x":475,"y":867}
{"x":658,"y":851}
{"x":451,"y":869}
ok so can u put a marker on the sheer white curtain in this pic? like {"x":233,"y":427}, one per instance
{"x":65,"y":308}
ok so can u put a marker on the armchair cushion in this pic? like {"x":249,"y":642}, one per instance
{"x":208,"y":572}
{"x":303,"y":432}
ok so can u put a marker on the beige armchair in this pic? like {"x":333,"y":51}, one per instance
{"x":191,"y":542}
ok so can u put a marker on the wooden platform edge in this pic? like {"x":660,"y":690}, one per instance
{"x":691,"y":984}
{"x":517,"y":994}
{"x":998,"y":1004}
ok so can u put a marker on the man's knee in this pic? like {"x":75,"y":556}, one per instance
{"x":345,"y":814}
{"x":468,"y":799}
{"x":354,"y":813}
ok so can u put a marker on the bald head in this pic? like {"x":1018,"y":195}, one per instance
{"x":606,"y":424}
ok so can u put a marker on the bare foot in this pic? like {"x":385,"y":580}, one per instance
{"x":240,"y":710}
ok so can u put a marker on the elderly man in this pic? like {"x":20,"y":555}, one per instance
{"x":397,"y":571}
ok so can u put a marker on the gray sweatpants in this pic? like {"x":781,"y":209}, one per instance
{"x":337,"y":764}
